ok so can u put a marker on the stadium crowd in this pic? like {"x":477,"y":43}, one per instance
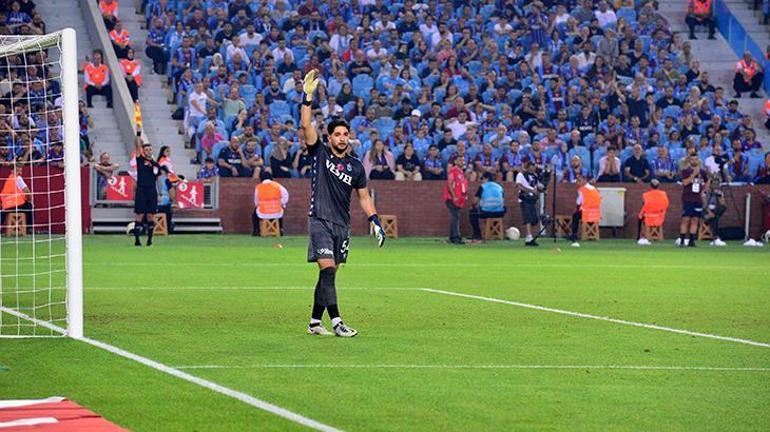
{"x":605,"y":90}
{"x":30,"y":97}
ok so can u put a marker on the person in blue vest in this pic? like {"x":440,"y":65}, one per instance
{"x":488,"y":202}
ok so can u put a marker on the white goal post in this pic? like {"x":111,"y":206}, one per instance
{"x":41,"y":278}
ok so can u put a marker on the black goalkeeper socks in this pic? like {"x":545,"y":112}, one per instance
{"x":137,"y":233}
{"x":334,"y":311}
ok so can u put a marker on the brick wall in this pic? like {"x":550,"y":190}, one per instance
{"x":421,"y":212}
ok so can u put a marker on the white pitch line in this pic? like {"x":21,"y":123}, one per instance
{"x":480,"y":366}
{"x":243,"y":397}
{"x":240,"y":288}
{"x":443,"y":265}
{"x":601,"y":318}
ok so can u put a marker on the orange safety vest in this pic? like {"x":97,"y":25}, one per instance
{"x":750,"y":68}
{"x":121,"y":38}
{"x":592,"y":204}
{"x":269,"y":198}
{"x":108,"y":9}
{"x":654,"y":208}
{"x":172,"y":177}
{"x":129,"y":67}
{"x":97,"y":75}
{"x":701,"y":7}
{"x":12,"y":195}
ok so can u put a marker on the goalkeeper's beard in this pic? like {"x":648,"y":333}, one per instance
{"x":341,"y":148}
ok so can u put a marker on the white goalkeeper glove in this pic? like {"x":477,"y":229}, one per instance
{"x":309,"y":84}
{"x":379,"y":233}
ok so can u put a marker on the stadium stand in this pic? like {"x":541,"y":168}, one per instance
{"x":528,"y":66}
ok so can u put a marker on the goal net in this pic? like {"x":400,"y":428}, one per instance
{"x":40,"y":237}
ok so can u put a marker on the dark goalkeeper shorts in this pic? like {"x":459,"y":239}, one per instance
{"x":327,"y":241}
{"x":146,"y":200}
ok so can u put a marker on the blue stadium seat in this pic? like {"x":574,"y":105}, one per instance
{"x":362,"y":83}
{"x":218,"y":148}
{"x":279,"y":108}
{"x":385,"y":126}
{"x":755,"y":161}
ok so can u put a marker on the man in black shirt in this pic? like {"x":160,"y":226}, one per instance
{"x":336,"y":174}
{"x":146,"y":197}
{"x":637,"y":167}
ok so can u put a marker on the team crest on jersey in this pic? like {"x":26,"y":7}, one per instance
{"x":337,"y":172}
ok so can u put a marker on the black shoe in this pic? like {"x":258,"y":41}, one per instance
{"x":691,"y":244}
{"x":754,"y":95}
{"x":531,"y":243}
{"x":692,"y":37}
{"x":109,"y":106}
{"x":712,"y":37}
{"x":90,"y":106}
{"x":737,"y":96}
{"x":137,"y":243}
{"x":149,"y":242}
{"x":255,"y":234}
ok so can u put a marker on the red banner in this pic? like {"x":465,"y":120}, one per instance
{"x":120,"y":188}
{"x":189,"y":195}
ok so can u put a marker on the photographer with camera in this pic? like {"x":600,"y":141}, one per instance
{"x":529,"y":184}
{"x":714,"y":209}
{"x":695,"y":181}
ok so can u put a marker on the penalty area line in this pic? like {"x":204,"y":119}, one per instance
{"x":600,"y":318}
{"x":240,"y":396}
{"x":481,"y":366}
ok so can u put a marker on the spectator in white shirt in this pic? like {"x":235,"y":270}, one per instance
{"x":250,"y":36}
{"x":460,"y":125}
{"x":605,"y":15}
{"x":235,"y":48}
{"x":586,"y":57}
{"x":443,"y":34}
{"x":428,"y":28}
{"x":502,"y":27}
{"x":282,"y":50}
{"x":340,"y":40}
{"x":377,"y":52}
{"x":196,"y":108}
{"x":384,"y":24}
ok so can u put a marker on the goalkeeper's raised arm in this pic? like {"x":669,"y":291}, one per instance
{"x":309,"y":86}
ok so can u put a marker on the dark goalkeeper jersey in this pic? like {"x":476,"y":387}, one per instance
{"x":333,"y":181}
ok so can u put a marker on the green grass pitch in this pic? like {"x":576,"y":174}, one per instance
{"x":236,"y":308}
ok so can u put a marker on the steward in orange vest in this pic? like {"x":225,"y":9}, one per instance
{"x":749,"y":76}
{"x":654,"y":207}
{"x":270,"y":198}
{"x":700,"y":12}
{"x":589,"y":206}
{"x":109,"y":10}
{"x":132,"y":70}
{"x":14,"y":197}
{"x":121,"y":40}
{"x":97,"y":79}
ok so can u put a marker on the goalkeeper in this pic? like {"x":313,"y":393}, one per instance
{"x":337,"y":172}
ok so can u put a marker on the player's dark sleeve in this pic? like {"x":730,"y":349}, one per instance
{"x":360,"y":181}
{"x":313,"y":150}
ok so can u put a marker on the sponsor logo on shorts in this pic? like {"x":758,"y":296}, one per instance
{"x":324,"y":251}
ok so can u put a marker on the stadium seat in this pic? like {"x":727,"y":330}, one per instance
{"x":362,"y":83}
{"x":279,"y":108}
{"x":16,"y":225}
